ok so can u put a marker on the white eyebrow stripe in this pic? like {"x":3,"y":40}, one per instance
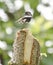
{"x":28,"y":16}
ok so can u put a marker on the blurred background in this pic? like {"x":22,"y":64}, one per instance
{"x":41,"y":26}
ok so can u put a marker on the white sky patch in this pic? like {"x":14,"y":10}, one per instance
{"x":1,"y":0}
{"x":10,"y":53}
{"x":3,"y":45}
{"x":48,"y":43}
{"x":50,"y":50}
{"x":9,"y":30}
{"x":3,"y":15}
{"x":18,"y":4}
{"x":45,"y":1}
{"x":47,"y":12}
{"x":28,"y":8}
{"x":40,"y":7}
{"x":10,"y":6}
{"x":51,"y":2}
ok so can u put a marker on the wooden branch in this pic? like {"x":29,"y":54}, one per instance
{"x":26,"y":49}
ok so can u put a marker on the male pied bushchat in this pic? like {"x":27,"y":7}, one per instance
{"x":26,"y":18}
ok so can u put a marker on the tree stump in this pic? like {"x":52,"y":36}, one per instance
{"x":26,"y":49}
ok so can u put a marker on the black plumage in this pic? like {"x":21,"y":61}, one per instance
{"x":26,"y":18}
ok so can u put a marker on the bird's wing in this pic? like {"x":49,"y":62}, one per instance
{"x":23,"y":19}
{"x":19,"y":20}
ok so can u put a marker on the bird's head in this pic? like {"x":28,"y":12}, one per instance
{"x":28,"y":13}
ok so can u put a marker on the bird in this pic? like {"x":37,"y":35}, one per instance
{"x":26,"y":18}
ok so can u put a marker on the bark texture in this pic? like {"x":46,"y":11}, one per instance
{"x":26,"y":49}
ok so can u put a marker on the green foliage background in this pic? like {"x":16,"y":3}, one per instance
{"x":41,"y":29}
